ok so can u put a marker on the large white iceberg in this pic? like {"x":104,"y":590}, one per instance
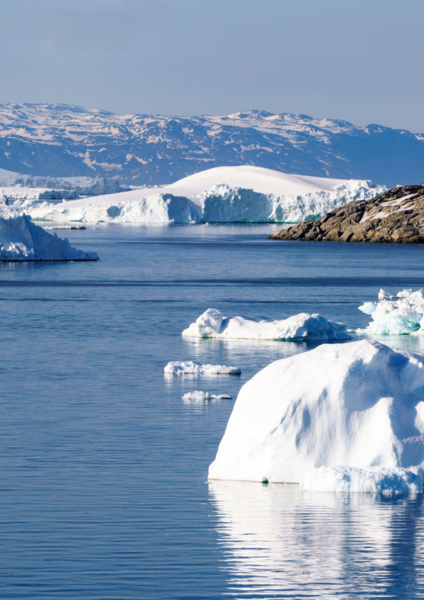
{"x":213,"y":324}
{"x":395,"y":315}
{"x":221,"y":195}
{"x":22,"y":240}
{"x":358,"y":404}
{"x":195,"y":368}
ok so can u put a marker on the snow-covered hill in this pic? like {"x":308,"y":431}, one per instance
{"x":67,"y":141}
{"x":222,"y":195}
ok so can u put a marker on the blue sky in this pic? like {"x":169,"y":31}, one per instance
{"x":361,"y":61}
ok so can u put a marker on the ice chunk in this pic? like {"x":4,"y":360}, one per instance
{"x":395,"y":315}
{"x":198,"y":396}
{"x":195,"y":368}
{"x":376,"y":480}
{"x":213,"y":324}
{"x":358,"y":404}
{"x":22,"y":240}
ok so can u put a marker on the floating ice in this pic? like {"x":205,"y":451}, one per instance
{"x":221,"y":195}
{"x":195,"y":368}
{"x":213,"y":324}
{"x":198,"y":396}
{"x":395,"y":315}
{"x":374,"y":480}
{"x":20,"y":239}
{"x":358,"y":404}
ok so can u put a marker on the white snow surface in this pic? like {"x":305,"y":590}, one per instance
{"x":375,"y":480}
{"x":356,"y":405}
{"x":22,"y":240}
{"x":395,"y":315}
{"x":199,"y":396}
{"x":243,"y":194}
{"x":213,"y":324}
{"x":195,"y":368}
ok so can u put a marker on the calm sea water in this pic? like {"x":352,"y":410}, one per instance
{"x":103,"y":467}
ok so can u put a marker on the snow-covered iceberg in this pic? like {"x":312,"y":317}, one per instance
{"x":199,"y":396}
{"x":358,"y":404}
{"x":222,"y":195}
{"x":402,"y":314}
{"x":374,"y":480}
{"x":195,"y":368}
{"x":22,"y":240}
{"x":213,"y":324}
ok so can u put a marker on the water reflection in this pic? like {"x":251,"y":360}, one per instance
{"x":281,"y":542}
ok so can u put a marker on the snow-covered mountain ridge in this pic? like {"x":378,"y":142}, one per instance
{"x":66,"y":141}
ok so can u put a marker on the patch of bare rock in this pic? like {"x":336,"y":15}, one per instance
{"x":394,"y":217}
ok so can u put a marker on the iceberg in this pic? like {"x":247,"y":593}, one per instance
{"x":213,"y":324}
{"x":195,"y":368}
{"x":354,"y":405}
{"x":402,"y":314}
{"x":374,"y":480}
{"x":221,"y":195}
{"x":198,"y":396}
{"x":22,"y":240}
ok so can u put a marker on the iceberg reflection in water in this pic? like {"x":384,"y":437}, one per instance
{"x":281,"y":542}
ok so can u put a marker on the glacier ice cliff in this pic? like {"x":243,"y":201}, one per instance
{"x":243,"y":194}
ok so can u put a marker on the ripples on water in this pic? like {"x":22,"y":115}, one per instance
{"x":103,"y":467}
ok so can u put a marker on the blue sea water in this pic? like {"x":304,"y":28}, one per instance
{"x":103,"y":468}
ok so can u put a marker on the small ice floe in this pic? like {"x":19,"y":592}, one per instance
{"x":195,"y":368}
{"x":402,"y":314}
{"x":213,"y":324}
{"x":78,"y":227}
{"x":199,"y":396}
{"x":374,"y":480}
{"x":343,"y":407}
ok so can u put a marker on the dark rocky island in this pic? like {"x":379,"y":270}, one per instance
{"x":394,"y":217}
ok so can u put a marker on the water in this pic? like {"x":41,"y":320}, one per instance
{"x":103,"y":467}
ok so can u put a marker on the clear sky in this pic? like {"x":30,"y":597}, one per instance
{"x":358,"y":60}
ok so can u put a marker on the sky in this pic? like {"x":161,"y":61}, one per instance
{"x":360,"y":61}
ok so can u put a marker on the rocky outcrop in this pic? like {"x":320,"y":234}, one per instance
{"x":394,"y":217}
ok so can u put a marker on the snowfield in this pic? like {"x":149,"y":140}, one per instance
{"x":213,"y":324}
{"x":22,"y":240}
{"x":358,"y":405}
{"x":243,"y":194}
{"x":395,"y":315}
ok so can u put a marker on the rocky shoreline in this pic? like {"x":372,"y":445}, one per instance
{"x":394,"y":217}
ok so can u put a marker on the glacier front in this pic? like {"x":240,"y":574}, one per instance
{"x":358,"y":405}
{"x":243,"y":194}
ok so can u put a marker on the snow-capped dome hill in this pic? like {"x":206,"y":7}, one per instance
{"x":57,"y":140}
{"x":355,"y":408}
{"x":242,"y":194}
